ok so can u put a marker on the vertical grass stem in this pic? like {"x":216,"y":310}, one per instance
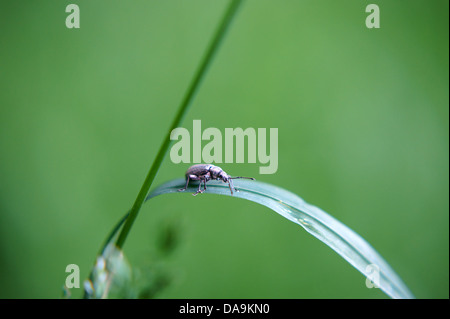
{"x":182,"y":111}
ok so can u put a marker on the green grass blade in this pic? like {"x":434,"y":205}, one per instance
{"x":352,"y":247}
{"x":182,"y":111}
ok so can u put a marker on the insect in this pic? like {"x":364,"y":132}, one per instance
{"x":206,"y":172}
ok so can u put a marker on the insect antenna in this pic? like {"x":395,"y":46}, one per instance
{"x":242,"y":177}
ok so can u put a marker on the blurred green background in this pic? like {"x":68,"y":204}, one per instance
{"x":363,"y":133}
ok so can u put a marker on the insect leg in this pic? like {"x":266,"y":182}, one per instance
{"x":185,"y":187}
{"x":199,"y":187}
{"x":230,"y":184}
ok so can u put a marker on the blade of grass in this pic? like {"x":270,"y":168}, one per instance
{"x":217,"y":39}
{"x":348,"y":244}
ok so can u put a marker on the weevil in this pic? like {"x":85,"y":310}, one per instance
{"x":207,"y":172}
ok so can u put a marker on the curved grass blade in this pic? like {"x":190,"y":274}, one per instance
{"x":352,"y":247}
